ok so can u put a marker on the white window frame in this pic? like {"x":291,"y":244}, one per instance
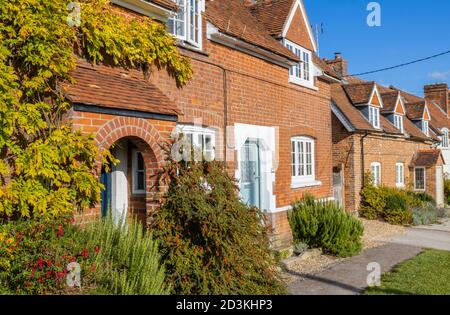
{"x":134,"y":167}
{"x":398,"y":122}
{"x":303,"y":72}
{"x":445,"y":139}
{"x":190,"y":17}
{"x":425,"y":127}
{"x":376,"y":176}
{"x":197,"y":131}
{"x":303,"y":160}
{"x":400,"y":175}
{"x":374,"y":116}
{"x":424,"y":178}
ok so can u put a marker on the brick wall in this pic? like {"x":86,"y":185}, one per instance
{"x":257,"y":93}
{"x":377,"y":148}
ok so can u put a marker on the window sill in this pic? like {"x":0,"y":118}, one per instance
{"x":401,"y":186}
{"x":185,"y":45}
{"x":304,"y":184}
{"x":305,"y":84}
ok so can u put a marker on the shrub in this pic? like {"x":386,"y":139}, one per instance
{"x":112,"y":260}
{"x":128,"y":260}
{"x":447,"y":191}
{"x":426,"y":214}
{"x":300,"y":248}
{"x":212,"y":243}
{"x":327,"y":226}
{"x":38,"y":260}
{"x":398,"y":217}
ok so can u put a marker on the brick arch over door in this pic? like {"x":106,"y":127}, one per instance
{"x":122,"y":127}
{"x":147,"y":139}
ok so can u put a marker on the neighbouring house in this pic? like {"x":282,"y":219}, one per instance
{"x":438,"y":96}
{"x":259,"y":100}
{"x":396,"y":136}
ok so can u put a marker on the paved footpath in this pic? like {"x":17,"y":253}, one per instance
{"x":350,"y":276}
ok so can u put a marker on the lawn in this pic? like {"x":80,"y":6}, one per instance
{"x":426,"y":274}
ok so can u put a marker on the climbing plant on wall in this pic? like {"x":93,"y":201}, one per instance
{"x":45,"y":167}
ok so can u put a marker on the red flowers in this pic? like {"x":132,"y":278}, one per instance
{"x":85,"y":253}
{"x":97,"y":249}
{"x":60,"y":231}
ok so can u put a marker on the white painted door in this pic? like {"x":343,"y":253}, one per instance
{"x":119,"y":186}
{"x":439,"y":186}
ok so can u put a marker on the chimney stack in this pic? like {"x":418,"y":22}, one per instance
{"x":439,"y":93}
{"x":339,"y":64}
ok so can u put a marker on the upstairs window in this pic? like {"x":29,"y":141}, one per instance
{"x":301,"y":72}
{"x":376,"y":173}
{"x":186,"y":24}
{"x":425,"y":128}
{"x":374,"y":116}
{"x":445,"y":140}
{"x":303,"y":159}
{"x":398,"y":122}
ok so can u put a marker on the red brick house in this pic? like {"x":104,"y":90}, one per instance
{"x":259,"y":100}
{"x":393,"y":134}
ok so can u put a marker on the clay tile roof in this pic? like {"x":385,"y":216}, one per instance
{"x":116,"y":88}
{"x":438,"y":118}
{"x":325,"y":67}
{"x":167,"y":4}
{"x":354,"y":116}
{"x":389,"y":101}
{"x":359,"y":93}
{"x":273,"y":14}
{"x":415,"y":110}
{"x":233,"y":18}
{"x":427,"y":158}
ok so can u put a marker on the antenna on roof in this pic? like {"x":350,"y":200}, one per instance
{"x":319,"y":31}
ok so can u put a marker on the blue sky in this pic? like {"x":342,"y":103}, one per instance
{"x":410,"y":29}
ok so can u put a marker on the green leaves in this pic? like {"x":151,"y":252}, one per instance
{"x":45,"y":167}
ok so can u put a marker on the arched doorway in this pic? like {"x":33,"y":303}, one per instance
{"x":129,"y":185}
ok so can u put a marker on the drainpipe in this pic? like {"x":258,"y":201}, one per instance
{"x":225,"y":101}
{"x":362,"y":158}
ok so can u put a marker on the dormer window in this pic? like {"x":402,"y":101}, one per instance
{"x":186,"y":25}
{"x":374,"y":116}
{"x":425,"y":128}
{"x":301,"y":72}
{"x":398,"y":122}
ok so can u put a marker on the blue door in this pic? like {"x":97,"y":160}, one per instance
{"x":105,"y":196}
{"x":251,"y":173}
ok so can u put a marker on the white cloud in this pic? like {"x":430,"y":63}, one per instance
{"x":439,"y":75}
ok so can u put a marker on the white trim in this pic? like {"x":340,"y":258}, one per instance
{"x":400,"y":100}
{"x":299,"y":4}
{"x":341,"y":117}
{"x":301,"y":65}
{"x":374,"y":116}
{"x":306,"y":180}
{"x":378,"y":165}
{"x":428,"y":112}
{"x":400,"y":119}
{"x":187,"y":23}
{"x":146,"y":8}
{"x":424,"y":178}
{"x":268,"y":158}
{"x":195,"y":131}
{"x":402,"y":183}
{"x":375,"y":90}
{"x":134,"y":178}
